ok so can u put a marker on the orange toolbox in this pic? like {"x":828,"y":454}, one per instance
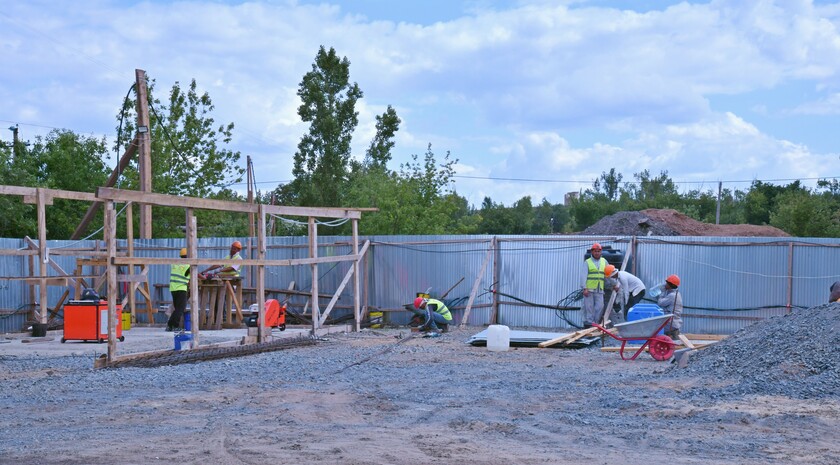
{"x":87,"y":320}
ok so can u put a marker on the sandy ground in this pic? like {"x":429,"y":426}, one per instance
{"x":378,"y":397}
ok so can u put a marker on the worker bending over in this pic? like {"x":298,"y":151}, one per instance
{"x":834,"y":292}
{"x":228,"y":271}
{"x":436,"y":314}
{"x":630,"y":288}
{"x":670,"y":301}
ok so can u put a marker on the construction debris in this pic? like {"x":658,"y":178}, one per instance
{"x":520,"y":338}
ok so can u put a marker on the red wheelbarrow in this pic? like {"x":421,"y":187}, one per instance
{"x":660,"y":347}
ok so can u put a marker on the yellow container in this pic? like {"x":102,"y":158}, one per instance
{"x":375,"y":319}
{"x":126,"y":321}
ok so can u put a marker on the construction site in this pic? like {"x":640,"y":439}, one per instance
{"x":312,"y":353}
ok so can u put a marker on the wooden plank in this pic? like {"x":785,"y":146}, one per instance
{"x":685,"y":341}
{"x":565,"y":337}
{"x":705,"y":337}
{"x":165,"y":200}
{"x":476,"y":283}
{"x":243,"y":262}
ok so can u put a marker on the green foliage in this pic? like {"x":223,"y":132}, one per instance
{"x":60,"y":160}
{"x":323,"y":155}
{"x":800,"y":213}
{"x":189,"y":157}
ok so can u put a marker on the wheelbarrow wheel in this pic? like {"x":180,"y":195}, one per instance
{"x":661,"y":348}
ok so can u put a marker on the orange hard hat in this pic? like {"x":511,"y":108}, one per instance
{"x":418,"y":302}
{"x":237,"y":244}
{"x":596,"y":246}
{"x":184,"y":252}
{"x":674,"y":280}
{"x":609,"y":270}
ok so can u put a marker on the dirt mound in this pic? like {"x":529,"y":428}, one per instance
{"x":686,"y":226}
{"x":631,"y":224}
{"x":793,"y":355}
{"x":654,"y":222}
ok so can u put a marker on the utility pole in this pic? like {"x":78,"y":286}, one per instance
{"x":144,"y":152}
{"x":15,"y":140}
{"x":717,"y":213}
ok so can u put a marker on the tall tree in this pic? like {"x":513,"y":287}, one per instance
{"x":189,"y":154}
{"x":329,"y":106}
{"x":379,"y":152}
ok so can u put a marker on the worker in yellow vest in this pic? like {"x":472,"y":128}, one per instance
{"x":436,"y":314}
{"x":179,"y":281}
{"x":228,"y":271}
{"x":593,"y":286}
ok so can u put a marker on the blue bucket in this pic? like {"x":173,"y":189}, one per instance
{"x":183,"y":338}
{"x":642,"y":311}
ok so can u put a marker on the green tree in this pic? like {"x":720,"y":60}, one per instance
{"x":329,"y":106}
{"x":379,"y":153}
{"x":189,"y":154}
{"x":60,"y":160}
{"x":800,"y":213}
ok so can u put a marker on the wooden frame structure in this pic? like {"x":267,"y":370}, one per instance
{"x":110,"y":196}
{"x":113,"y":260}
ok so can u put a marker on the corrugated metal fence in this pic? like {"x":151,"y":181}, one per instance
{"x":727,"y":283}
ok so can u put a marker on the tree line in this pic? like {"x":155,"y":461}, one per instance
{"x":191,"y":157}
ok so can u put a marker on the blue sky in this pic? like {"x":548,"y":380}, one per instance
{"x":549,"y":93}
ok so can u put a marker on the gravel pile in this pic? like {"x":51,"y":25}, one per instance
{"x":794,"y":355}
{"x":630,"y":224}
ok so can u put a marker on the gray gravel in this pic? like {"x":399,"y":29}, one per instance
{"x":439,"y":401}
{"x":795,"y":355}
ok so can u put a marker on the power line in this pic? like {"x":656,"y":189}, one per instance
{"x":557,"y":181}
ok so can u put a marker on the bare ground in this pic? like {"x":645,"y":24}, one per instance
{"x":373,"y":398}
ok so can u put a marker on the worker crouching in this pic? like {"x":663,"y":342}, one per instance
{"x":670,"y":301}
{"x":436,"y":313}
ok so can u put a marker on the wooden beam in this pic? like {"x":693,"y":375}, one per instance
{"x":164,"y":200}
{"x":477,"y":283}
{"x":144,"y":159}
{"x":567,"y":337}
{"x":223,"y":261}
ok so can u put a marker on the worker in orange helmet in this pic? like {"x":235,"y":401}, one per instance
{"x":228,"y":271}
{"x":670,"y":301}
{"x":593,"y":286}
{"x":631,"y":290}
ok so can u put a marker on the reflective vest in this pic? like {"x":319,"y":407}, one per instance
{"x":440,"y":309}
{"x":234,"y":273}
{"x":178,"y":280}
{"x":595,"y":274}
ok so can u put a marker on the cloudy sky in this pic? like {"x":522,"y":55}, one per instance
{"x":533,"y":98}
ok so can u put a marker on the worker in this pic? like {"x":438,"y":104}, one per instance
{"x":228,"y":271}
{"x":179,"y":280}
{"x":630,"y":288}
{"x":834,"y":290}
{"x":670,"y":301}
{"x":593,"y":286}
{"x":436,"y":314}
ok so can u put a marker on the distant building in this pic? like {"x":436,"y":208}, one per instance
{"x":567,"y":199}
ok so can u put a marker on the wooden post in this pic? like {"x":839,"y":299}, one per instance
{"x":111,"y":241}
{"x":144,"y":162}
{"x":313,"y":253}
{"x":43,"y":258}
{"x":356,"y":313}
{"x":263,"y":320}
{"x":192,"y":252}
{"x":494,"y":245}
{"x":477,"y":282}
{"x":790,"y":278}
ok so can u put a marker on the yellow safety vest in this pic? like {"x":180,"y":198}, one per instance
{"x":232,"y":273}
{"x":178,"y":280}
{"x":441,"y":309}
{"x":595,"y":275}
